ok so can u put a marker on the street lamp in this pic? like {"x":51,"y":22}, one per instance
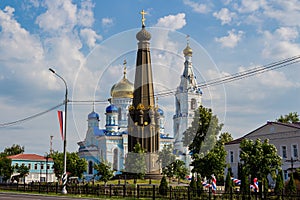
{"x":64,"y":176}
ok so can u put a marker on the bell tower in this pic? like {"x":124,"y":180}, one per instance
{"x":143,"y":120}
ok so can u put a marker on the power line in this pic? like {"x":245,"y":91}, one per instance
{"x":213,"y":82}
{"x":30,"y":117}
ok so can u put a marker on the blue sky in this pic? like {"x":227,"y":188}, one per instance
{"x":87,"y":41}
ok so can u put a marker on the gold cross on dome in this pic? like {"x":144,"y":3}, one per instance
{"x":188,"y":39}
{"x":125,"y":68}
{"x":143,"y":13}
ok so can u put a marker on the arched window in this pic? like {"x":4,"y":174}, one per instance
{"x":115,"y":163}
{"x":193,"y":104}
{"x":90,"y":167}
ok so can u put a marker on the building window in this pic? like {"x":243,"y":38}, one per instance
{"x":283,"y":152}
{"x":48,"y":166}
{"x":295,"y":150}
{"x":286,"y":174}
{"x":115,"y":165}
{"x":90,"y":167}
{"x":42,"y":166}
{"x":29,"y":166}
{"x":35,"y":166}
{"x":231,"y":156}
{"x":193,"y":104}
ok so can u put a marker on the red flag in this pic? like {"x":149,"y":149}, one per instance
{"x":61,"y":118}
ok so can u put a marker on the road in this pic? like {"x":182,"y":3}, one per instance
{"x":13,"y":196}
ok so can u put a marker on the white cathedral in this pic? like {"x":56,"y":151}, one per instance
{"x":110,"y":144}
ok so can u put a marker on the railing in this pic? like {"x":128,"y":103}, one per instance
{"x":137,"y":191}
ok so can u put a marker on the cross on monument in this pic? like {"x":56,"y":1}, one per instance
{"x":125,"y":68}
{"x":143,"y":13}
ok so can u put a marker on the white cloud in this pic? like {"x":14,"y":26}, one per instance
{"x":85,"y":15}
{"x":197,"y":7}
{"x":248,"y":6}
{"x":60,"y":16}
{"x":173,"y":22}
{"x":231,"y":40}
{"x":107,"y":22}
{"x":224,"y":15}
{"x":281,"y":43}
{"x":90,"y":37}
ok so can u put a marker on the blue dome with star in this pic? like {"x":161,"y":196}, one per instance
{"x":160,"y":111}
{"x":93,"y":115}
{"x":111,"y":108}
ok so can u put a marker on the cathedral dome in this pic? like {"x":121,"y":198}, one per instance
{"x":188,"y":51}
{"x":143,"y":35}
{"x":93,"y":115}
{"x":111,"y":108}
{"x":122,"y":89}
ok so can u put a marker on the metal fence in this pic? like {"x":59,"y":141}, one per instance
{"x":139,"y":191}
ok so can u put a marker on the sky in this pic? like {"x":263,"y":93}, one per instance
{"x":86,"y":43}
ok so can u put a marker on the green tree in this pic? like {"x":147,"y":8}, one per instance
{"x":179,"y":170}
{"x":291,"y":186}
{"x":214,"y":161}
{"x":244,"y":188}
{"x":193,"y":185}
{"x":15,"y":149}
{"x":163,"y":186}
{"x":166,"y":158}
{"x":136,"y":162}
{"x":228,"y":182}
{"x":202,"y":134}
{"x":199,"y":185}
{"x":260,"y":159}
{"x":279,"y":183}
{"x":22,"y":170}
{"x":104,"y":171}
{"x":292,"y":117}
{"x":6,"y":169}
{"x":75,"y":165}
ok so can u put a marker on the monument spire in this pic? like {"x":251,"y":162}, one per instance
{"x":143,"y":118}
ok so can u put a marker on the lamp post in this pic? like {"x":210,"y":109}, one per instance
{"x":64,"y":176}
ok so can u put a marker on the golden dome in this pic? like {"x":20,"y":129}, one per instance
{"x":188,"y":51}
{"x":122,"y":89}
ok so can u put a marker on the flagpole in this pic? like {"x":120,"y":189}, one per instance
{"x":64,"y":176}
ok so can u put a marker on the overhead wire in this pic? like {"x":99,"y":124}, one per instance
{"x":163,"y":93}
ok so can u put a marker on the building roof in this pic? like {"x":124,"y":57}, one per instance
{"x":31,"y":157}
{"x":295,"y":125}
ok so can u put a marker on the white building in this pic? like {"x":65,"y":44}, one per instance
{"x":187,"y":99}
{"x":285,"y":137}
{"x":40,"y":167}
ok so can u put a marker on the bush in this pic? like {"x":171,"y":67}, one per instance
{"x":163,"y":187}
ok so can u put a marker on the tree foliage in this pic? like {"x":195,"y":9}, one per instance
{"x":228,"y":182}
{"x":22,"y":170}
{"x":260,"y":158}
{"x":136,"y":162}
{"x":199,"y":185}
{"x":279,"y":183}
{"x":75,"y":165}
{"x":15,"y":149}
{"x":291,"y":186}
{"x":202,"y":134}
{"x":292,"y":117}
{"x":193,"y":185}
{"x":163,"y":186}
{"x":6,"y":169}
{"x":166,"y":158}
{"x":179,"y":169}
{"x":214,"y":161}
{"x":104,"y":171}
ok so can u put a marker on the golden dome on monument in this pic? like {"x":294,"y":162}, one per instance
{"x":188,"y":51}
{"x":124,"y":88}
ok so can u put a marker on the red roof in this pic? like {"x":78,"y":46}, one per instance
{"x":32,"y":157}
